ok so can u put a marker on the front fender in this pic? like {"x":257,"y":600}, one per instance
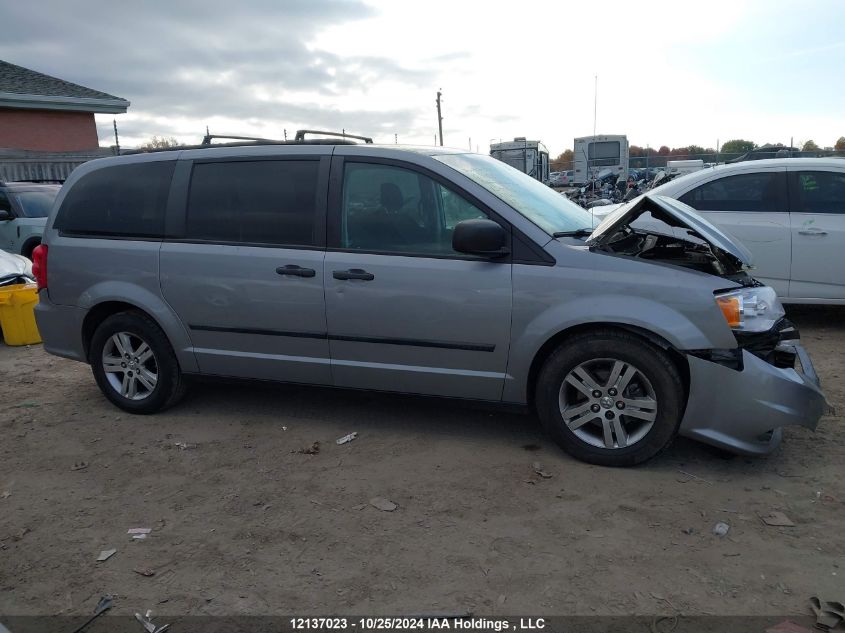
{"x":586,"y":288}
{"x":646,"y":314}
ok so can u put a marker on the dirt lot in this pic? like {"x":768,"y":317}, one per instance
{"x":243,"y":523}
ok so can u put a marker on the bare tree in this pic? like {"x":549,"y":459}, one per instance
{"x":160,"y":142}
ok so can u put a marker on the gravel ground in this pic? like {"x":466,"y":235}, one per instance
{"x":243,"y":521}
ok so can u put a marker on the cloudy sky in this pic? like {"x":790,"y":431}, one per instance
{"x":675,"y":73}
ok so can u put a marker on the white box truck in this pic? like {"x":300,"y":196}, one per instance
{"x":596,"y":154}
{"x":529,"y":157}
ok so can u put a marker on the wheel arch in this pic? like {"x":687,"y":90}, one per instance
{"x":555,"y":341}
{"x":29,"y":245}
{"x":99,"y":313}
{"x":172,"y":327}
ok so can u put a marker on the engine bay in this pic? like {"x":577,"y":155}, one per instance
{"x":692,"y":253}
{"x":662,"y":230}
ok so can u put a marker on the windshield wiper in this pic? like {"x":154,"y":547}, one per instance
{"x":576,"y":233}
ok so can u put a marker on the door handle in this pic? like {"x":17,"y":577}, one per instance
{"x":812,"y":232}
{"x":295,"y":271}
{"x":353,"y":273}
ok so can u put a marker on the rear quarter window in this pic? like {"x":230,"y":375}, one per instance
{"x":120,"y":201}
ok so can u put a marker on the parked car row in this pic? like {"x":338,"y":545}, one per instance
{"x":560,"y":178}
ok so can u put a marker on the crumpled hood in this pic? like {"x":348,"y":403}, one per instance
{"x":675,"y":214}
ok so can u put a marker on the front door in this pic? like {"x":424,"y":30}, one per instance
{"x":405,"y":311}
{"x":246,"y":276}
{"x":817,"y":212}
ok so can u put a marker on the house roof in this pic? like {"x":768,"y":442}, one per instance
{"x":28,"y":89}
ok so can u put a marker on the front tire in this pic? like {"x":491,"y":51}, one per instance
{"x":134,"y":364}
{"x":608,"y":397}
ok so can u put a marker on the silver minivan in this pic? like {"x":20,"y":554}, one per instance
{"x":422,"y":271}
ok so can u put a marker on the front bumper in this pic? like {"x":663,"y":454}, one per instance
{"x":743,"y":411}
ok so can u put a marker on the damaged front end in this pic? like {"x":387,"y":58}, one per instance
{"x":742,"y":405}
{"x":660,"y":229}
{"x":739,"y":398}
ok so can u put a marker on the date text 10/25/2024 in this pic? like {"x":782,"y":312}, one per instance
{"x":424,"y":623}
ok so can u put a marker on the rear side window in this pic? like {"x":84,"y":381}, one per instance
{"x":818,"y":192}
{"x":764,"y":191}
{"x":604,"y":153}
{"x":122,"y":201}
{"x":254,"y":202}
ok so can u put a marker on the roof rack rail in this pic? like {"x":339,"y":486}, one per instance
{"x":206,"y":140}
{"x":240,"y":141}
{"x":300,"y":135}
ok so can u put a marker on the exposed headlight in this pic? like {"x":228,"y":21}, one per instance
{"x":751,"y":309}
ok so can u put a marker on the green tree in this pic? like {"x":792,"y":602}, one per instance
{"x":737,"y":146}
{"x":159,"y":142}
{"x":810,"y":146}
{"x":840,"y":144}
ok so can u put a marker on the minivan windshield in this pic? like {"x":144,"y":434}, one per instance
{"x":36,"y":204}
{"x":551,"y":211}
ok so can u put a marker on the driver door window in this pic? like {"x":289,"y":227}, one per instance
{"x":389,"y":209}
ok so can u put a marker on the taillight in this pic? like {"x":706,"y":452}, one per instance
{"x":39,"y":265}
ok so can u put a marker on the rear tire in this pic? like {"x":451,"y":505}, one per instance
{"x":134,"y":364}
{"x":608,"y":397}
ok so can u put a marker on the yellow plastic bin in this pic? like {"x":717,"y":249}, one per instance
{"x":17,"y":317}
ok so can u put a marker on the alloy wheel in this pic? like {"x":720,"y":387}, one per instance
{"x":130,"y":365}
{"x":608,"y":403}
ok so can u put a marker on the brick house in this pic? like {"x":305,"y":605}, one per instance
{"x":43,"y":113}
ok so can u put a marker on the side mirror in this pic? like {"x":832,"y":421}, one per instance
{"x":480,"y":237}
{"x":5,"y":215}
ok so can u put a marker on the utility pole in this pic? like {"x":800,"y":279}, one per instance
{"x":116,"y":140}
{"x":439,"y":118}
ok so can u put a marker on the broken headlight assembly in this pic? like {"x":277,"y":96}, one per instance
{"x":750,"y":309}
